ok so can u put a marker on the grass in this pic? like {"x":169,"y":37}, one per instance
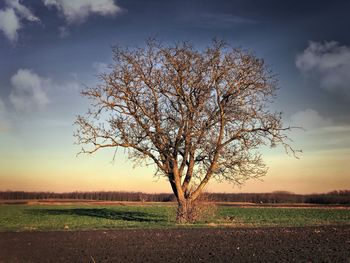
{"x":270,"y":216}
{"x":87,"y":217}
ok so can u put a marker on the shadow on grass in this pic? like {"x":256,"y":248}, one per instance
{"x":102,"y":213}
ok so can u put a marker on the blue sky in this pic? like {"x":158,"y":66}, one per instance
{"x":50,"y":49}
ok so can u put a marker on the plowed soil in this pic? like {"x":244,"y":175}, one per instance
{"x":306,"y":244}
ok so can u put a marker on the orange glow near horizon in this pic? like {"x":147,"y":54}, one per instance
{"x":313,"y":173}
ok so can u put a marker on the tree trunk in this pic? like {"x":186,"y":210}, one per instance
{"x":187,"y":211}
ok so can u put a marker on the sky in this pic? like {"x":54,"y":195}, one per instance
{"x":51,"y":49}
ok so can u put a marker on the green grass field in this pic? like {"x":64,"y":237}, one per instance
{"x":87,"y":217}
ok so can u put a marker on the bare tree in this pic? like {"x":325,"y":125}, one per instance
{"x":196,"y":115}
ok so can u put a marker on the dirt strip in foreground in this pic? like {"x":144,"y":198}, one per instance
{"x":304,"y":244}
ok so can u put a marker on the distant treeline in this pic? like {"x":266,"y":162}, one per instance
{"x":335,"y":197}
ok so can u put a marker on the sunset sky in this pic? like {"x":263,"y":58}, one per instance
{"x":51,"y":49}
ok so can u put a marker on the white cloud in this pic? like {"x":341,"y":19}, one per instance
{"x":64,"y":32}
{"x":77,"y":11}
{"x":329,"y":64}
{"x":2,"y":106}
{"x":11,"y":17}
{"x":4,"y":122}
{"x":28,"y":91}
{"x":101,"y":67}
{"x":9,"y":23}
{"x":320,"y":133}
{"x":211,"y":20}
{"x":23,"y":11}
{"x":309,"y":119}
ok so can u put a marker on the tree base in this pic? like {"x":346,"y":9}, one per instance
{"x":189,"y":212}
{"x":185,"y":212}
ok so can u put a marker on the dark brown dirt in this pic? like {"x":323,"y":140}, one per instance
{"x":307,"y":244}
